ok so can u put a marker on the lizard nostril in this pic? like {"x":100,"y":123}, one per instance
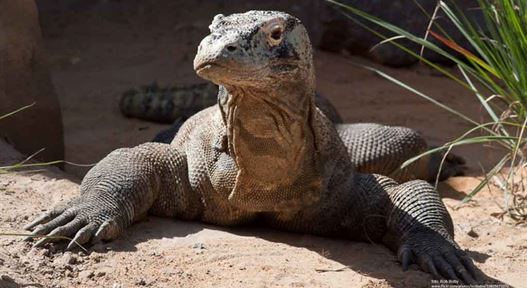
{"x":231,"y":48}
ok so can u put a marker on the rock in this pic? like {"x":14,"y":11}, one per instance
{"x":340,"y":33}
{"x":96,"y":257}
{"x":473,"y":233}
{"x":66,"y":259}
{"x":198,"y":245}
{"x":85,"y":275}
{"x":104,"y":271}
{"x":7,"y":282}
{"x":24,"y":79}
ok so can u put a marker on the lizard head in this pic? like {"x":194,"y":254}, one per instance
{"x":262,"y":61}
{"x":254,"y":49}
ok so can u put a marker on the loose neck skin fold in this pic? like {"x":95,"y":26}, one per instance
{"x":270,"y":136}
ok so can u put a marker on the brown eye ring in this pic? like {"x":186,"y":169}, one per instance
{"x":276,"y":33}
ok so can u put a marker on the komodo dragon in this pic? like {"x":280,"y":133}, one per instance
{"x":264,"y":155}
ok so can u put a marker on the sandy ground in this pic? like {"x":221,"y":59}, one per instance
{"x":170,"y":253}
{"x":96,"y":56}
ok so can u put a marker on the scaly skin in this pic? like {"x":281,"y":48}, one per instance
{"x":265,"y":154}
{"x":379,"y":149}
{"x":178,"y":103}
{"x":167,"y":104}
{"x":373,"y":148}
{"x":174,"y":105}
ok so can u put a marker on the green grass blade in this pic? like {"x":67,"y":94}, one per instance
{"x":489,"y":175}
{"x":473,"y":140}
{"x":417,"y":92}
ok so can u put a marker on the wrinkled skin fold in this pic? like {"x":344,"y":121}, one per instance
{"x":216,"y":170}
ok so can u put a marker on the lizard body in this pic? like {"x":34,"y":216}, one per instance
{"x":264,"y":155}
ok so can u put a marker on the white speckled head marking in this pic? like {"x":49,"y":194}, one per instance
{"x":253,"y":49}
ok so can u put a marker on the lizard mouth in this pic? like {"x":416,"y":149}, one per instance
{"x":201,"y":67}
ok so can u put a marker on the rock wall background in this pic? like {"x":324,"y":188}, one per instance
{"x":24,"y":79}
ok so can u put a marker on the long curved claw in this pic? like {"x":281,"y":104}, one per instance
{"x":42,"y":241}
{"x":61,"y":224}
{"x":444,"y":267}
{"x":60,"y":232}
{"x":438,"y":254}
{"x":50,"y":215}
{"x":459,"y":268}
{"x":42,"y":219}
{"x":405,"y":256}
{"x":469,"y":265}
{"x":427,"y":264}
{"x":107,"y":231}
{"x":41,"y":230}
{"x":101,"y":232}
{"x":44,"y":229}
{"x":83,"y":236}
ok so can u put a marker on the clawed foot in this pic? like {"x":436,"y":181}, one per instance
{"x":437,"y":256}
{"x":82,"y":223}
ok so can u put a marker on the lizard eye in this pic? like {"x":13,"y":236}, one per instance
{"x":275,"y":34}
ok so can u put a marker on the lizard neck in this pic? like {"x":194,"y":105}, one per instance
{"x":270,"y":136}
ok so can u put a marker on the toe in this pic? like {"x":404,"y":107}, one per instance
{"x":427,"y":264}
{"x":83,"y":236}
{"x":445,"y":268}
{"x":61,"y":233}
{"x":469,"y":265}
{"x":57,"y":222}
{"x":405,"y":257}
{"x":48,"y":216}
{"x":40,"y":220}
{"x":459,"y":268}
{"x":107,"y":231}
